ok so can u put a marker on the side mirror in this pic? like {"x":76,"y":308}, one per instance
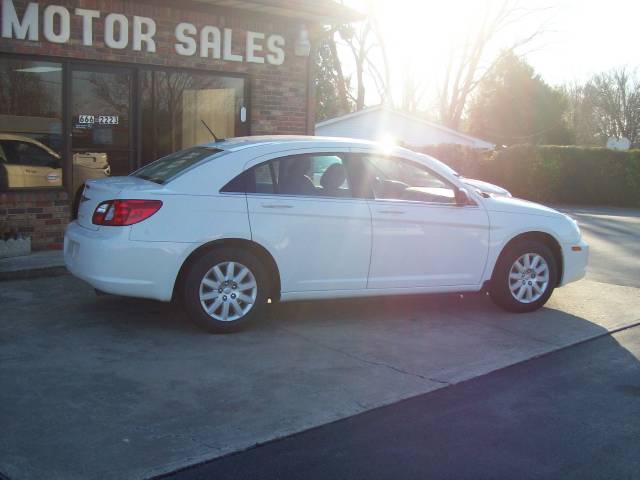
{"x":462,"y":197}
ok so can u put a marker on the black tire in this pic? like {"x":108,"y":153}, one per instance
{"x":500,"y":289}
{"x":76,"y":203}
{"x":195,"y":276}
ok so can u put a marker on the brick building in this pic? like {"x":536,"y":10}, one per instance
{"x":96,"y":87}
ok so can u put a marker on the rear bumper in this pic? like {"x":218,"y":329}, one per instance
{"x":575,"y":261}
{"x":109,"y":261}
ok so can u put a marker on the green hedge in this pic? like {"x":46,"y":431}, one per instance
{"x":570,"y":175}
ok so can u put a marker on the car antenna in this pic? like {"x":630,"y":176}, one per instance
{"x":211,"y":132}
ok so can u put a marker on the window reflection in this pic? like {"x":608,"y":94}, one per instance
{"x":100,"y":116}
{"x":175,"y":104}
{"x":30,"y":124}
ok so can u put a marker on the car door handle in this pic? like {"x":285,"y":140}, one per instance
{"x":276,"y":205}
{"x":392,"y":212}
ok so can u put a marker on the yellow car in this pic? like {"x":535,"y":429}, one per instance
{"x":27,"y":163}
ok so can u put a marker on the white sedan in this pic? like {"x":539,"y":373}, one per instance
{"x":232,"y":224}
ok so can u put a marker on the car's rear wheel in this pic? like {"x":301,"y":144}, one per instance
{"x":225,"y":289}
{"x":525,"y":277}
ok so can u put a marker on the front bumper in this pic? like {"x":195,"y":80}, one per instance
{"x":575,"y":261}
{"x":109,"y":261}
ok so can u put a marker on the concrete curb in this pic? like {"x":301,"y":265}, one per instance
{"x":42,"y":263}
{"x":26,"y":274}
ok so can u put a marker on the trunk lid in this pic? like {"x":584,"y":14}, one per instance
{"x":97,"y":191}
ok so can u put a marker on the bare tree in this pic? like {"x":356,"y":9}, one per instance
{"x":413,"y":91}
{"x":112,"y":90}
{"x":614,"y":101}
{"x":366,"y":45}
{"x":578,"y":115}
{"x":340,"y":80}
{"x":466,"y":66}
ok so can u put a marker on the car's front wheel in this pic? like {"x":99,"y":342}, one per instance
{"x":225,"y":289}
{"x":524,"y":277}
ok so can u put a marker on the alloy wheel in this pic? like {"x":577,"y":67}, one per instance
{"x":529,"y":278}
{"x":228,"y":291}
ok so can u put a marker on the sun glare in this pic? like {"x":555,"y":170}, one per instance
{"x":388,"y":142}
{"x":418,"y":35}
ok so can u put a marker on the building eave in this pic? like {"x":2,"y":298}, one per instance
{"x":312,"y":11}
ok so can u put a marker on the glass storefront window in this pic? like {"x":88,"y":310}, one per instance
{"x":30,"y":124}
{"x":102,"y":105}
{"x":176,"y":103}
{"x":100,"y":121}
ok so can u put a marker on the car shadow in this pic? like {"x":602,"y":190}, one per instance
{"x":122,"y":311}
{"x":443,"y":318}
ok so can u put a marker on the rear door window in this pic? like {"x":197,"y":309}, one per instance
{"x":320,"y":175}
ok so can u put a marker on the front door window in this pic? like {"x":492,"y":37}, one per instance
{"x":397,"y":179}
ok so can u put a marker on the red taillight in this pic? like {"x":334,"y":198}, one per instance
{"x":118,"y":213}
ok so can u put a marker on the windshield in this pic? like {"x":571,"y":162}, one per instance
{"x":166,"y":168}
{"x":441,"y":164}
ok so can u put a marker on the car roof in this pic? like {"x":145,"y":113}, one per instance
{"x":241,"y":143}
{"x":22,"y":138}
{"x":259,"y":146}
{"x":291,"y":142}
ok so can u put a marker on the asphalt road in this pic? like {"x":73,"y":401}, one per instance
{"x":571,"y":414}
{"x":614,"y":238}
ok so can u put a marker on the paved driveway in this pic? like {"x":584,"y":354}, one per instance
{"x":109,"y":387}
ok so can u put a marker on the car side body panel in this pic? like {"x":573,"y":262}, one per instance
{"x":318,"y":244}
{"x":421,"y":245}
{"x":507,"y":225}
{"x":203,"y":219}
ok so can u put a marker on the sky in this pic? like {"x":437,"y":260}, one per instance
{"x":579,"y":38}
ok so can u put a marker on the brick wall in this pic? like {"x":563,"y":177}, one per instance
{"x":41,"y":215}
{"x":278,"y":94}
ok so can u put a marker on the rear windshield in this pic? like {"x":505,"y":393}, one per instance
{"x":166,"y":168}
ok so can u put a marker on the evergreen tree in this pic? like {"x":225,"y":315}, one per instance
{"x":329,"y":102}
{"x":514,"y":105}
